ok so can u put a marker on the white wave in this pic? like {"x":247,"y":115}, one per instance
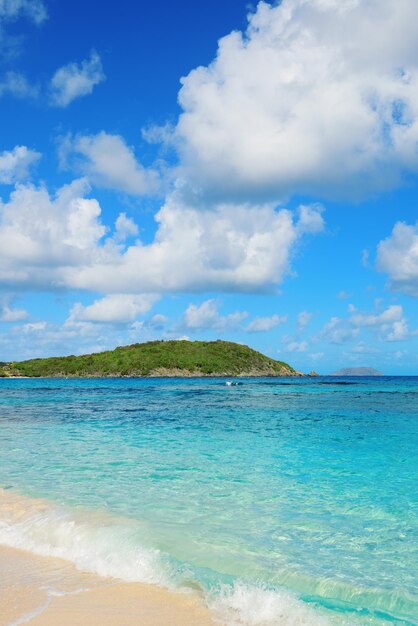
{"x":249,"y":605}
{"x":110,"y":546}
{"x":94,"y":543}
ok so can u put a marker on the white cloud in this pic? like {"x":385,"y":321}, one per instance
{"x":48,"y":339}
{"x":73,"y":81}
{"x":363,"y":348}
{"x":207,"y":316}
{"x":311,"y":98}
{"x":15,"y":164}
{"x":108,"y":162}
{"x":9,"y":313}
{"x":41,"y":237}
{"x":17,"y":85}
{"x":398,"y":257}
{"x":59,"y":243}
{"x":338,"y":331}
{"x":388,"y":325}
{"x":230,"y":248}
{"x":393,"y":313}
{"x":31,"y":327}
{"x":157,"y":322}
{"x":303,"y":319}
{"x":263,"y":324}
{"x":297,"y":346}
{"x":34,"y":10}
{"x":125,"y":228}
{"x":399,"y":331}
{"x":113,"y":309}
{"x":159,"y":134}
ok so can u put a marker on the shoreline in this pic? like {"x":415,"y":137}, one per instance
{"x":46,"y":591}
{"x":163,"y":375}
{"x":41,"y":588}
{"x":168,"y":374}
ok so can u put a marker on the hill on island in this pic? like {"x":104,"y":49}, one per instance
{"x":157,"y":358}
{"x":357,"y":371}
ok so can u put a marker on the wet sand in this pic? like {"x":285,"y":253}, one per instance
{"x":47,"y":591}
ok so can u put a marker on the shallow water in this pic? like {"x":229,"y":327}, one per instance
{"x":284,"y":501}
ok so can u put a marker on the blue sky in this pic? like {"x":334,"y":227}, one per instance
{"x":185,"y":169}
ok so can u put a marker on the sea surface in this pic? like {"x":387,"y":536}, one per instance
{"x":290,"y":501}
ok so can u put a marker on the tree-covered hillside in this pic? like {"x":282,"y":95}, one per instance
{"x":158,"y":358}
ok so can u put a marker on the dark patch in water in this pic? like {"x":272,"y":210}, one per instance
{"x":271,"y":383}
{"x":336,"y":383}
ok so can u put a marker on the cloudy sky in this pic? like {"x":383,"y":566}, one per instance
{"x":209,"y":170}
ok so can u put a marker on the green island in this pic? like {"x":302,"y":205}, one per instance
{"x":156,"y":358}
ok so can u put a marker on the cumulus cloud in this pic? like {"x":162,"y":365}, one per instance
{"x":393,"y":313}
{"x":42,"y":236}
{"x":206,"y":316}
{"x":397,"y":256}
{"x":31,"y":327}
{"x":9,"y":313}
{"x":228,"y":248}
{"x":60,"y":242}
{"x":155,"y":323}
{"x":309,"y":99}
{"x":108,"y":162}
{"x":391,"y":323}
{"x":338,"y":331}
{"x":75,"y":80}
{"x":263,"y":324}
{"x":125,"y":227}
{"x":114,"y":309}
{"x":399,"y":331}
{"x":363,"y":348}
{"x":48,"y":339}
{"x":15,"y":164}
{"x":388,"y":325}
{"x":17,"y":85}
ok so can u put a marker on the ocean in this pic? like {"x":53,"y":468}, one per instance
{"x":288,"y":501}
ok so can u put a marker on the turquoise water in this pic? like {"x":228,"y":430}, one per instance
{"x":283,"y":501}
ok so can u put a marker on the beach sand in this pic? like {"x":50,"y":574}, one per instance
{"x":46,"y":591}
{"x":50,"y":591}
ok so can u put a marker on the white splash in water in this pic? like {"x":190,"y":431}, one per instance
{"x":94,"y":543}
{"x":249,"y":605}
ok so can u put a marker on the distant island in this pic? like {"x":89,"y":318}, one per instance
{"x":157,"y":358}
{"x":357,"y":371}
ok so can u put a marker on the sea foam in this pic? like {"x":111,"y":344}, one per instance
{"x":258,"y":606}
{"x":96,"y":543}
{"x":110,"y":546}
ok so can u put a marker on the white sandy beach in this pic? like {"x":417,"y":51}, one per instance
{"x":29,"y":585}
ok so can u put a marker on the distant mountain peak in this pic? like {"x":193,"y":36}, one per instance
{"x":357,"y":371}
